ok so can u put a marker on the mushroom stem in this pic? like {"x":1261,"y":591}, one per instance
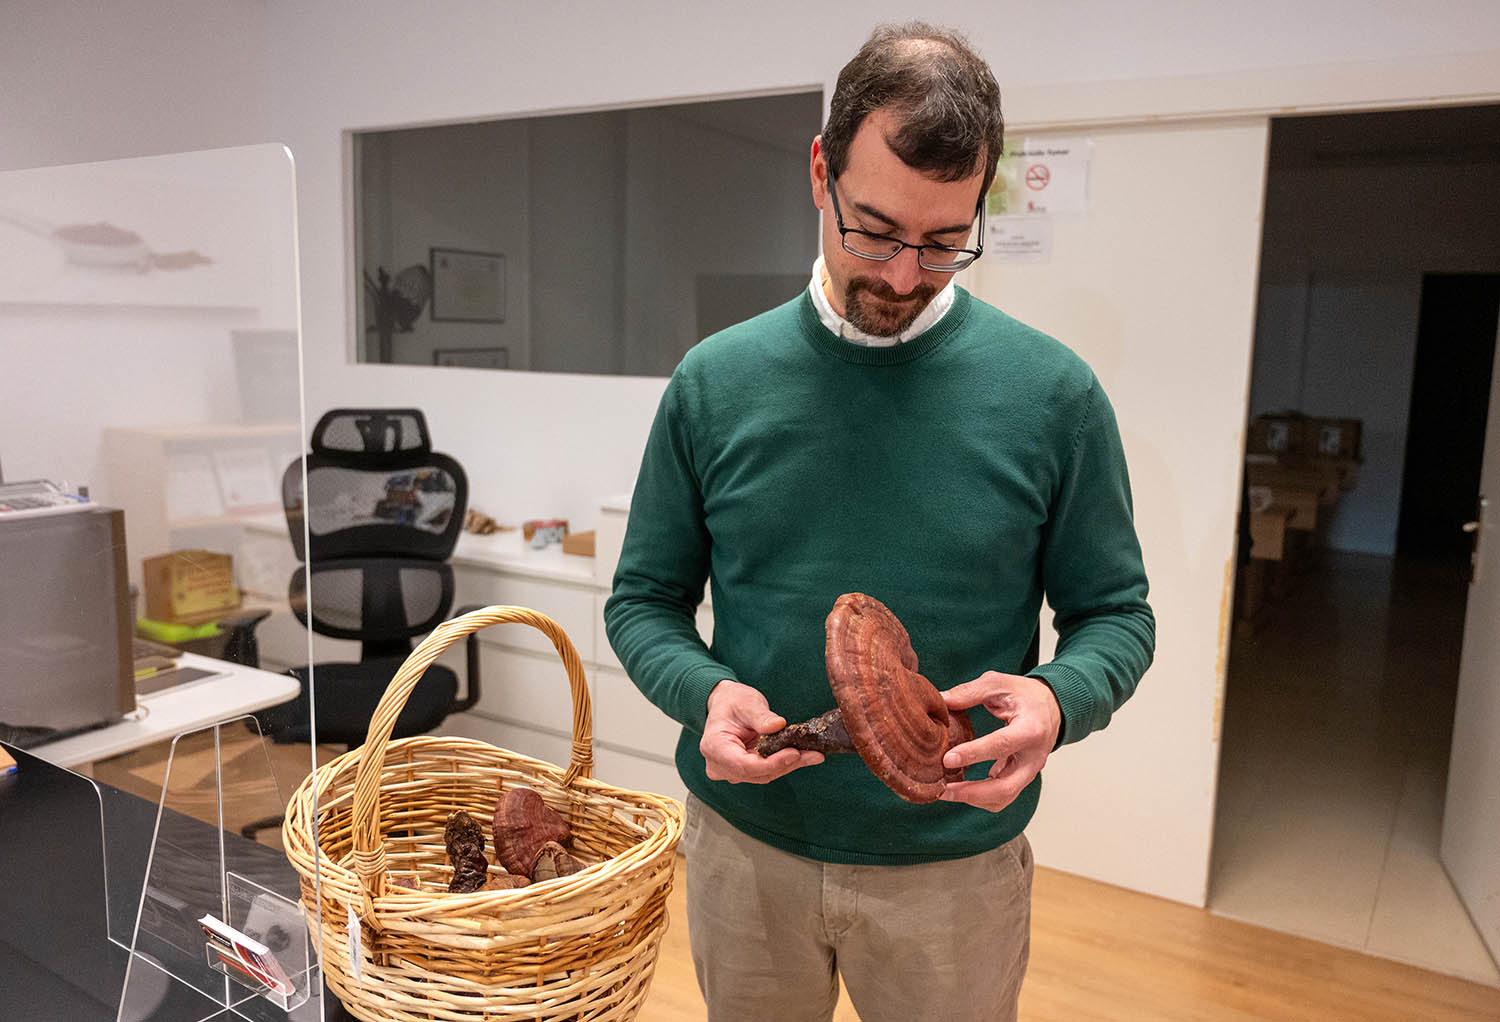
{"x":825,"y":734}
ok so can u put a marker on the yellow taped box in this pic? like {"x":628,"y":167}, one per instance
{"x":189,"y":586}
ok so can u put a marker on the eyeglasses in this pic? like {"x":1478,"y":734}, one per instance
{"x":883,"y":247}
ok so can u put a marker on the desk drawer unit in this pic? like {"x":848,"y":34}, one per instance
{"x":521,"y":688}
{"x":571,"y":606}
{"x":627,"y":720}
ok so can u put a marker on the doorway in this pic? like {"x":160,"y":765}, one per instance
{"x":1380,"y":283}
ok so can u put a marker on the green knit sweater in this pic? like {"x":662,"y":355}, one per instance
{"x":955,"y":477}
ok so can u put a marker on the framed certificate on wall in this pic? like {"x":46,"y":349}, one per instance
{"x":467,"y":287}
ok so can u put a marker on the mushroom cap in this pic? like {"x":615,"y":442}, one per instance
{"x":523,"y":823}
{"x":895,"y":717}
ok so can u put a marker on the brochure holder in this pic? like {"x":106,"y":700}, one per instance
{"x":214,"y":912}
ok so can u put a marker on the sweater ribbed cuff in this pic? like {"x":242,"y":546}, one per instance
{"x":696,"y":686}
{"x":1074,"y":697}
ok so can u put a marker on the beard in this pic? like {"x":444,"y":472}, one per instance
{"x":873,"y":306}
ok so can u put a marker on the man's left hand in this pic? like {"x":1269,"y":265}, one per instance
{"x":1032,"y":719}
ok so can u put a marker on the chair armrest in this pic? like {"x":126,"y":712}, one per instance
{"x":241,"y":647}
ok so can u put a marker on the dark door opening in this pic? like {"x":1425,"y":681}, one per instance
{"x":1340,"y":689}
{"x":1450,"y":397}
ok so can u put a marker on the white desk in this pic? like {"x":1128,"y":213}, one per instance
{"x":231,"y":691}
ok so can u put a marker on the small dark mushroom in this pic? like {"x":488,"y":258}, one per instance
{"x":523,"y":823}
{"x":894,"y":718}
{"x":464,"y":839}
{"x":462,"y":831}
{"x":470,"y":871}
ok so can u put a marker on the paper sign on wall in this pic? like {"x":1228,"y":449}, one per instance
{"x":1042,"y":175}
{"x":1018,"y":239}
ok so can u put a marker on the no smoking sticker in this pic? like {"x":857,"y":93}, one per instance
{"x":1043,"y":176}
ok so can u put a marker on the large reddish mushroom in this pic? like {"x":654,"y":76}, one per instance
{"x":894,"y":718}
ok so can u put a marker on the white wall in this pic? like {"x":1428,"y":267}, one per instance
{"x":540,"y":444}
{"x":368,"y":70}
{"x":1345,"y":250}
{"x":83,"y":81}
{"x":84,"y":347}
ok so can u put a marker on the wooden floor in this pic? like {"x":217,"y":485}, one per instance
{"x":1104,"y":953}
{"x":1098,"y":952}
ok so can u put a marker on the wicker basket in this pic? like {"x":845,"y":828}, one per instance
{"x":578,"y":947}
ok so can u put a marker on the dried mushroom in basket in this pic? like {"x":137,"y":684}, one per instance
{"x":553,"y":861}
{"x":505,"y":882}
{"x":523,"y":824}
{"x":464,"y":839}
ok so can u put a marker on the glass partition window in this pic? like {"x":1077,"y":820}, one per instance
{"x":603,"y":242}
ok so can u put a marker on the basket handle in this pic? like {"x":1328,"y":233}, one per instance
{"x":369,"y":850}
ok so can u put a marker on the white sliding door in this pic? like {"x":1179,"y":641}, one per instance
{"x":1156,"y":288}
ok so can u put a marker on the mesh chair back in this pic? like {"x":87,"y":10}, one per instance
{"x":383,"y":602}
{"x":372,"y":431}
{"x":383,"y":512}
{"x":375,"y":487}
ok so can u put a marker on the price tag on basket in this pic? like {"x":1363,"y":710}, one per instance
{"x":355,"y":954}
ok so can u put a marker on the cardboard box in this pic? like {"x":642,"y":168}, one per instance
{"x":1331,"y":438}
{"x":189,"y":586}
{"x":1279,"y":433}
{"x":580,"y":543}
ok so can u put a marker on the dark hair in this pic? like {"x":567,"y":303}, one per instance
{"x":943,"y":95}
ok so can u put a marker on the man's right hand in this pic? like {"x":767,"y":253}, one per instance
{"x":737,"y":716}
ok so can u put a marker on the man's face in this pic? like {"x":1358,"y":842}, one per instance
{"x":882,"y":195}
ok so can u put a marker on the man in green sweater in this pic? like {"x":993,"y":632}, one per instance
{"x":884,"y":433}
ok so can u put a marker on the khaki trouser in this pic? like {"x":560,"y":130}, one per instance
{"x":771,"y":932}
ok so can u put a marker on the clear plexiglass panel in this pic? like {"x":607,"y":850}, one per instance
{"x":150,"y":413}
{"x":216,"y":914}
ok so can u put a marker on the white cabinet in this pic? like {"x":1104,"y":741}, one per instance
{"x":525,"y":704}
{"x":626,"y":720}
{"x":568,"y":603}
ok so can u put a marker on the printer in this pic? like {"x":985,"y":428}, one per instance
{"x":65,"y":615}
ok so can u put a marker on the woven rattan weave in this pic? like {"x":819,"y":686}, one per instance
{"x":578,"y":947}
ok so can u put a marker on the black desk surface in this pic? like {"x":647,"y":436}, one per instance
{"x":56,"y":957}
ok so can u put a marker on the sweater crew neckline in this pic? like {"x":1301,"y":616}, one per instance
{"x":824,"y":340}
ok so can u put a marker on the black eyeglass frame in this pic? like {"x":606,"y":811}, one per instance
{"x":953,"y":267}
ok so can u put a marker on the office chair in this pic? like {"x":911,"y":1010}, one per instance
{"x":383,"y":512}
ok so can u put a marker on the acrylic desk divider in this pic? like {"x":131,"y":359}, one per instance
{"x":198,"y":865}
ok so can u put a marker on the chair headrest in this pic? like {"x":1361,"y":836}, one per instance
{"x":354,"y":431}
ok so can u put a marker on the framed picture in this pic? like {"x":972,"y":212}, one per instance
{"x":474,"y":358}
{"x":467,"y":287}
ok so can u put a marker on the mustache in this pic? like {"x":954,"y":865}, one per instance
{"x":880,"y":289}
